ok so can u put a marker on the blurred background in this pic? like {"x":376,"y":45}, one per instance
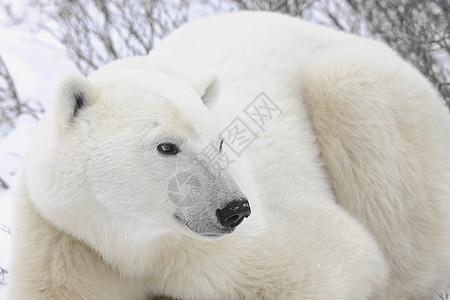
{"x":42,"y":40}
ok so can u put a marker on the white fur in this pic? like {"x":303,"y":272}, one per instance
{"x":347,"y":186}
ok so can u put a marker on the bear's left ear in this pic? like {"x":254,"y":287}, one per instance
{"x":207,"y":87}
{"x":75,"y":93}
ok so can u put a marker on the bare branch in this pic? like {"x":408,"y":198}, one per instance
{"x":418,"y":30}
{"x":95,"y":32}
{"x":3,"y":184}
{"x":11,"y":106}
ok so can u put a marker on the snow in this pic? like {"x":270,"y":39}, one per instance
{"x":36,"y":66}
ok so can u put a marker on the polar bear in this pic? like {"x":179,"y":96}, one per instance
{"x":249,"y":156}
{"x":96,"y":221}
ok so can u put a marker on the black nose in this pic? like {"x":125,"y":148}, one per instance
{"x":234,"y":213}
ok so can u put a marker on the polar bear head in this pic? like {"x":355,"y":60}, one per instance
{"x":118,"y":158}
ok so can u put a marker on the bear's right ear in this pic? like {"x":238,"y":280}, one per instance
{"x":207,"y":87}
{"x":75,"y":92}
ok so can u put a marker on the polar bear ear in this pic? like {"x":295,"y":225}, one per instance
{"x":75,"y":92}
{"x":207,"y":87}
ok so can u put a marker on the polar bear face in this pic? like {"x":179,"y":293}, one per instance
{"x":119,"y":154}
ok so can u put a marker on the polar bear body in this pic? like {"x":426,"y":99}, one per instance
{"x":382,"y":129}
{"x":345,"y":165}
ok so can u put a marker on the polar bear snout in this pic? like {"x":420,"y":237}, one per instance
{"x":234,"y":213}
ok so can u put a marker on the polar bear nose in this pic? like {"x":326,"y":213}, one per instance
{"x":234,"y":213}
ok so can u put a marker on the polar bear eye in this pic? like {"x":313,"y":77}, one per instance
{"x":168,"y":148}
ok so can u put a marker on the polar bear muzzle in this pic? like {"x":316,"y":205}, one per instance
{"x":216,"y":208}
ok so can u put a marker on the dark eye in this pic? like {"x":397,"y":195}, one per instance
{"x":168,"y":148}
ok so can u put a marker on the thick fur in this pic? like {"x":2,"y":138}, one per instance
{"x":385,"y":138}
{"x":348,"y":187}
